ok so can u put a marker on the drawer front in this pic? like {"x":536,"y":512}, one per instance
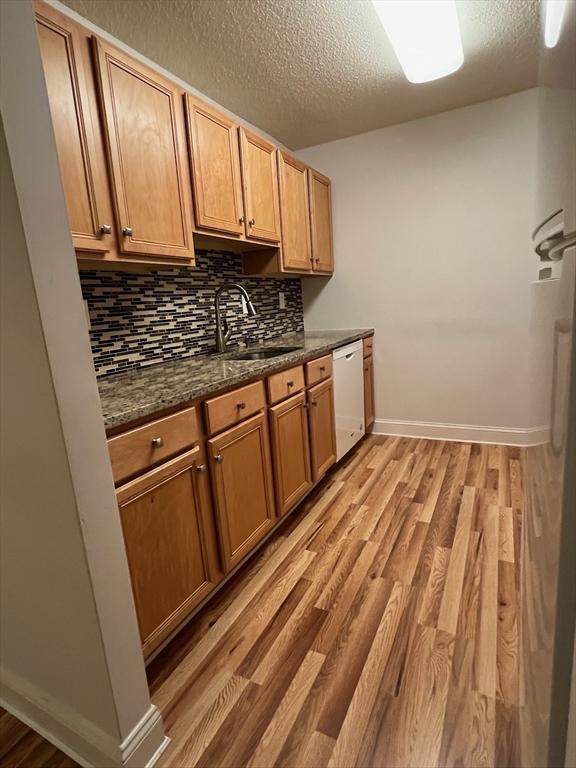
{"x":285,"y":383}
{"x":368,"y":345}
{"x":319,"y":369}
{"x":135,"y":451}
{"x":229,"y":409}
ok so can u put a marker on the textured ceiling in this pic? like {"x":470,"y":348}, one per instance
{"x":310,"y":71}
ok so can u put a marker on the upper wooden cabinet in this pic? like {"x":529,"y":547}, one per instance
{"x":170,"y":543}
{"x":321,"y":222}
{"x":144,"y":120}
{"x":260,"y":182}
{"x":215,"y":160}
{"x":142,"y":182}
{"x":294,"y":214}
{"x":242,"y":483}
{"x":69,"y":81}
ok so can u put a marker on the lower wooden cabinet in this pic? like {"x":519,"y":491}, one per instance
{"x":291,"y":451}
{"x":322,"y":427}
{"x":369,"y":409}
{"x":243,"y":489}
{"x":170,"y":544}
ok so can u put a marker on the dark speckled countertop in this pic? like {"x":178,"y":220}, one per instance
{"x":143,"y":392}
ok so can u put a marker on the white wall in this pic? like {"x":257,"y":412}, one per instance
{"x":70,"y":652}
{"x":432,"y":226}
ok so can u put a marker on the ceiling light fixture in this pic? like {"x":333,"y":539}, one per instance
{"x":425,"y":36}
{"x":554,"y":14}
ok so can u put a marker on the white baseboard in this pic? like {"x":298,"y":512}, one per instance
{"x":80,"y":739}
{"x":462,"y":432}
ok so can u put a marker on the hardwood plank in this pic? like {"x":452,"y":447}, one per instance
{"x":344,"y":677}
{"x":468,"y":617}
{"x":506,"y":535}
{"x":468,"y":733}
{"x":411,"y":730}
{"x":516,"y":490}
{"x":350,"y":737}
{"x":280,"y":725}
{"x":485,"y":655}
{"x":433,"y":591}
{"x":434,"y":493}
{"x":450,"y":605}
{"x":508,"y":641}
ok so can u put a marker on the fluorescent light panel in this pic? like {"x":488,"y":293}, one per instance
{"x":425,"y":36}
{"x":554,"y":15}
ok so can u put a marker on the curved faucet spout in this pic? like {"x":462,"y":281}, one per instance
{"x":222,"y":331}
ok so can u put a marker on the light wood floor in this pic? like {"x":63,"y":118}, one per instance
{"x":378,"y":628}
{"x":21,"y":747}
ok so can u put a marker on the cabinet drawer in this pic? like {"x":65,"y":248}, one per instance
{"x":140,"y":448}
{"x":368,"y":345}
{"x":226,"y":410}
{"x":318,"y":369}
{"x":285,"y":383}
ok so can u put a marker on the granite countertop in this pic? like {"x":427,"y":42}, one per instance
{"x":143,"y":392}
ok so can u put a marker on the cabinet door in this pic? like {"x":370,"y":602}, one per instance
{"x":215,"y":158}
{"x":291,"y":451}
{"x":69,"y":81}
{"x":321,"y":222}
{"x":242,"y":483}
{"x":144,"y":119}
{"x":294,"y":214}
{"x":260,"y":181}
{"x":170,"y":545}
{"x":322,"y":427}
{"x":369,"y":410}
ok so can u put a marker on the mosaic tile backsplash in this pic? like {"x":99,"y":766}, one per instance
{"x":143,"y":319}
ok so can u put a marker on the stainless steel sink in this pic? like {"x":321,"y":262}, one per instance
{"x":262,"y":354}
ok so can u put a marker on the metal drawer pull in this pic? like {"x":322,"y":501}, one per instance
{"x":127,"y":231}
{"x":241,"y":405}
{"x":314,"y":403}
{"x":201,"y":468}
{"x":322,"y":368}
{"x":106,"y":229}
{"x":219,"y":458}
{"x":157,"y":442}
{"x":289,"y":383}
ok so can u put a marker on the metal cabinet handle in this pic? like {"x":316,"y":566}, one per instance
{"x":314,"y":403}
{"x":157,"y":442}
{"x":106,"y":229}
{"x":241,"y":405}
{"x":322,"y":367}
{"x":252,"y":222}
{"x":219,"y":458}
{"x":127,"y":231}
{"x":289,"y":383}
{"x":201,"y":468}
{"x":241,"y":220}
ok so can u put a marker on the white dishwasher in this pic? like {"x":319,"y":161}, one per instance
{"x":348,"y":376}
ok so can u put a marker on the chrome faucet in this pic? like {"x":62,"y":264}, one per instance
{"x":222,"y":330}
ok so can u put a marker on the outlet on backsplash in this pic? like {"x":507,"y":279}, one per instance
{"x":140,"y":319}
